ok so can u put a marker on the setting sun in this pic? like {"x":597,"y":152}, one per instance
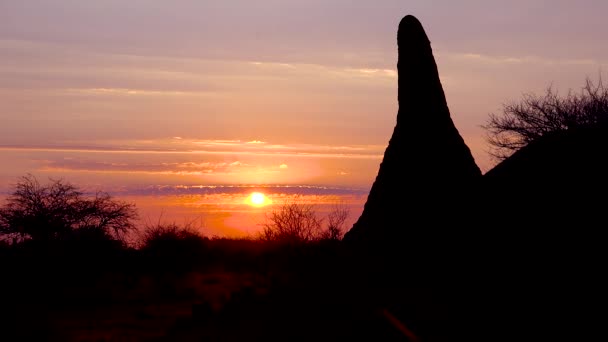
{"x":257,"y":199}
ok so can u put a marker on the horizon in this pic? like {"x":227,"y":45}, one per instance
{"x":127,"y":98}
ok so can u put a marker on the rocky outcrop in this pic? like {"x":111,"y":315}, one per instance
{"x":427,"y":169}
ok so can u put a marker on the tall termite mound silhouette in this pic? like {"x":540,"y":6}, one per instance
{"x":427,"y":169}
{"x":541,"y":211}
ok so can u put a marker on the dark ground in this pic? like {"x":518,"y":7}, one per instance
{"x":253,"y":291}
{"x":305,"y":292}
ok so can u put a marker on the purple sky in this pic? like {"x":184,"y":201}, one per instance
{"x":302,"y":91}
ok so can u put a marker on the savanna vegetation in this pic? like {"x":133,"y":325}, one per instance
{"x":78,"y":267}
{"x":69,"y":257}
{"x":535,"y":116}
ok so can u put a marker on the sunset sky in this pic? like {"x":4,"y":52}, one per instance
{"x":186,"y":106}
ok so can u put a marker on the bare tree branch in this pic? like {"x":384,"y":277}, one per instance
{"x":535,"y":116}
{"x":297,"y":222}
{"x":50,"y":212}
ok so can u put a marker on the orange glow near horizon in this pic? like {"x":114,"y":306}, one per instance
{"x":258,"y":199}
{"x":231,"y":215}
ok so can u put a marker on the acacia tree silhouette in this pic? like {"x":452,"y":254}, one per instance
{"x":52,"y":212}
{"x":535,"y":116}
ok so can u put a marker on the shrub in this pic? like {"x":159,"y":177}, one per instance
{"x":171,"y":238}
{"x":295,"y":222}
{"x":535,"y":116}
{"x":57,"y":210}
{"x":173,"y":248}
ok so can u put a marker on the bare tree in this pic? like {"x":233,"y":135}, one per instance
{"x":295,"y":222}
{"x":50,"y":212}
{"x":336,"y":222}
{"x":535,"y":116}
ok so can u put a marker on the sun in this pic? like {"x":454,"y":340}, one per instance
{"x":257,"y":199}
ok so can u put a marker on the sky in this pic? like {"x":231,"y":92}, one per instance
{"x":133,"y":96}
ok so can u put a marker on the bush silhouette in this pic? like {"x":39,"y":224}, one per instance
{"x":295,"y":222}
{"x":535,"y":116}
{"x":336,"y":222}
{"x":60,"y":211}
{"x":175,"y":247}
{"x":171,"y":237}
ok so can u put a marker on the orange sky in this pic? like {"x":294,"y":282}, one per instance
{"x":128,"y":96}
{"x":233,"y":214}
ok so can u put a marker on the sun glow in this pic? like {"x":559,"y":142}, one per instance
{"x":257,"y":199}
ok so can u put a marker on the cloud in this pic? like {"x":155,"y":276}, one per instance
{"x":221,"y":161}
{"x":374,"y":72}
{"x":506,"y":60}
{"x":210,"y":147}
{"x":134,"y":92}
{"x":162,"y":168}
{"x":79,"y":70}
{"x":279,"y":191}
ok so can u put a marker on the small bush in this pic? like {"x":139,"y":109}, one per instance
{"x":174,"y":246}
{"x":296,"y":222}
